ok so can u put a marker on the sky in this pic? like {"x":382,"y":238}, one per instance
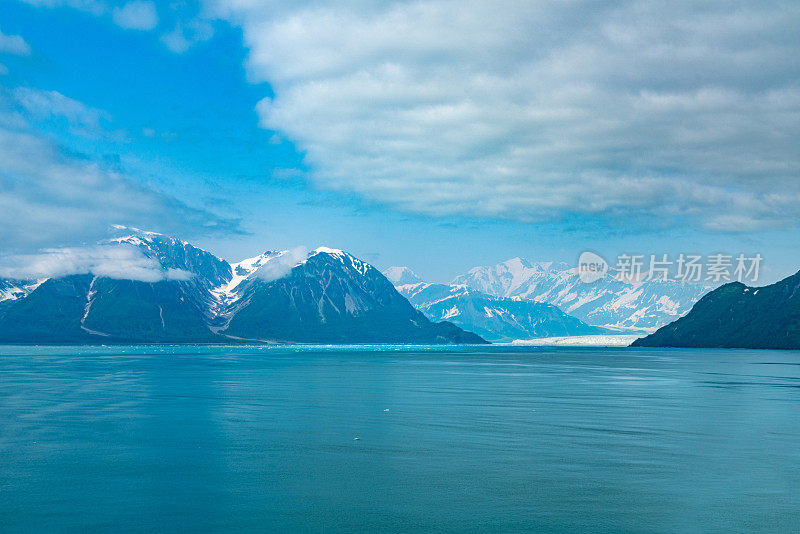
{"x":439,"y":135}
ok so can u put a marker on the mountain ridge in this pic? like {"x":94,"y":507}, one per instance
{"x":325,"y":296}
{"x":608,"y":303}
{"x":737,"y":316}
{"x":493,"y":318}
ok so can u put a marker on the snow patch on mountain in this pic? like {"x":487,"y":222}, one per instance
{"x":236,"y":293}
{"x":227,"y":293}
{"x":451,"y":312}
{"x":331,"y":251}
{"x":11,"y":290}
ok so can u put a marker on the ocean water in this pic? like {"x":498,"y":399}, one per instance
{"x":393,"y":439}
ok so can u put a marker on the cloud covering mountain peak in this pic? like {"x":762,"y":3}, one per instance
{"x":121,"y":262}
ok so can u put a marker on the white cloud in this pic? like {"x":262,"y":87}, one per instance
{"x":533,"y":111}
{"x":176,"y":41}
{"x":185,"y":35}
{"x":192,"y":24}
{"x":50,"y":196}
{"x":14,"y":44}
{"x":281,"y":265}
{"x":48,"y":104}
{"x":120,"y":262}
{"x":136,"y":15}
{"x":96,"y":7}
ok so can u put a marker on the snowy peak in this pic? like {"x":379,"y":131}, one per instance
{"x":642,"y":305}
{"x":173,"y":253}
{"x":272,"y":267}
{"x":328,"y":250}
{"x":248,"y":266}
{"x":504,"y":279}
{"x":326,"y":296}
{"x":401,"y":276}
{"x":338,"y":257}
{"x":517,"y":265}
{"x":494,"y":318}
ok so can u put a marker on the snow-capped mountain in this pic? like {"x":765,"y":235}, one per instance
{"x":401,"y":276}
{"x":493,"y":318}
{"x":610,"y":303}
{"x":11,"y":290}
{"x":328,"y":296}
{"x":737,"y":316}
{"x":206,"y":271}
{"x":173,"y":253}
{"x":226,"y":298}
{"x":190,"y":295}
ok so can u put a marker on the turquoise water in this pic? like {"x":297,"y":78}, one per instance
{"x":449,"y":440}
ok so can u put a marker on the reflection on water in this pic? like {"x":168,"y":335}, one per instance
{"x":449,"y":439}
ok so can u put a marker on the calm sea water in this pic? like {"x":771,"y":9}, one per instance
{"x":449,"y":440}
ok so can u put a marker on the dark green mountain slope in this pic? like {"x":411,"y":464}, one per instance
{"x":144,"y":312}
{"x":82,"y":308}
{"x":737,"y":316}
{"x":183,"y":294}
{"x":335,"y":298}
{"x":50,"y":314}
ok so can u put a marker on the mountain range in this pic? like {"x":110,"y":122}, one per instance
{"x":494,"y":318}
{"x":192,"y":296}
{"x":325,"y":296}
{"x":737,"y":316}
{"x":608,"y":305}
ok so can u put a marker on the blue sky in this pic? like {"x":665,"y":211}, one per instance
{"x":408,"y":134}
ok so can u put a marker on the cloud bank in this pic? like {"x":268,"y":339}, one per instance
{"x":44,"y":105}
{"x":671,"y":112}
{"x":119,"y":261}
{"x":13,"y":44}
{"x":190,"y":25}
{"x":51,"y":196}
{"x":136,"y":15}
